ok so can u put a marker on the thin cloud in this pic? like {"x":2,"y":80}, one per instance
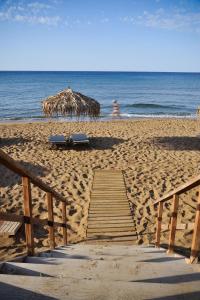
{"x":176,"y":20}
{"x":38,"y":6}
{"x":33,"y":12}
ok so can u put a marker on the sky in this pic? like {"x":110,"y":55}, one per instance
{"x":100,"y":35}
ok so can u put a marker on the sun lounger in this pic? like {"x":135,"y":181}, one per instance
{"x":57,"y":140}
{"x":74,"y":139}
{"x":79,"y":139}
{"x":9,"y":228}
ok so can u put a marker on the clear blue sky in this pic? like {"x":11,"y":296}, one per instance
{"x":140,"y":35}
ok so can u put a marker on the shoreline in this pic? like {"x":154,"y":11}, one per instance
{"x":101,"y":119}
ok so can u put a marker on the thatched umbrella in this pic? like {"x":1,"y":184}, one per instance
{"x":70,"y":103}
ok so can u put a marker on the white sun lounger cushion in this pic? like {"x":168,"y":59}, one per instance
{"x":79,"y":138}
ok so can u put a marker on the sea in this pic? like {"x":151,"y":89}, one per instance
{"x":140,"y":94}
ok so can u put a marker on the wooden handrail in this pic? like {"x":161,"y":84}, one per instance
{"x":27,"y":218}
{"x":180,"y":190}
{"x":15,"y":166}
{"x":195,"y":247}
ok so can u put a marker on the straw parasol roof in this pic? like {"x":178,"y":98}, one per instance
{"x":70,"y":103}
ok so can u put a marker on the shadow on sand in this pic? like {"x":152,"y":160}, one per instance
{"x":178,"y":143}
{"x":12,"y":141}
{"x":96,"y":143}
{"x":10,"y":178}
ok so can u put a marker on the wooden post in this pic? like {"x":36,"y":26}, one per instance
{"x":173,"y":223}
{"x":196,"y":235}
{"x":28,"y":215}
{"x":159,"y":223}
{"x":64,"y":221}
{"x":50,"y":220}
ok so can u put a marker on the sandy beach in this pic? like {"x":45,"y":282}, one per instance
{"x":156,"y":155}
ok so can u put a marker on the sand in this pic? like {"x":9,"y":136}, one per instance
{"x":156,"y":155}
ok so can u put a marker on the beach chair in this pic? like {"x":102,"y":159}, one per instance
{"x":75,"y":139}
{"x":57,"y":140}
{"x":79,"y":139}
{"x":9,"y":228}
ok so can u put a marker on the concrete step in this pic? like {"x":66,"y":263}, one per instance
{"x":86,"y":271}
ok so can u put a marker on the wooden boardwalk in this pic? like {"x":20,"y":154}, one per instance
{"x":109,"y":218}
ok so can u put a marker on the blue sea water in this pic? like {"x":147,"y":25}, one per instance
{"x":140,"y":94}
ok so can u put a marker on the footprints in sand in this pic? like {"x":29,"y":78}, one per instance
{"x":150,"y":168}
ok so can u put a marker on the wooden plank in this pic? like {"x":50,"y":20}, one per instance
{"x":108,"y":200}
{"x":112,"y":218}
{"x":111,"y":228}
{"x":108,"y":185}
{"x":13,"y":228}
{"x":4,"y":226}
{"x":50,"y":220}
{"x":118,"y":187}
{"x":180,"y":190}
{"x":113,"y":234}
{"x":109,"y":213}
{"x":107,"y":194}
{"x":110,"y":224}
{"x":109,"y":209}
{"x":195,"y":249}
{"x":64,"y":220}
{"x":108,"y":206}
{"x":159,"y":224}
{"x":28,"y":215}
{"x":173,"y":223}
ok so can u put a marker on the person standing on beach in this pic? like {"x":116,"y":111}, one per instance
{"x":116,"y":110}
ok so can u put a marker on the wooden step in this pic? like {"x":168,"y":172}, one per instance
{"x":109,"y":205}
{"x":113,"y":234}
{"x":122,"y":212}
{"x":110,"y":229}
{"x":112,"y":225}
{"x":109,"y":217}
{"x":114,"y":209}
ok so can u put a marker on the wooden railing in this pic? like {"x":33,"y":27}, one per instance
{"x":174,"y":195}
{"x":27,"y":218}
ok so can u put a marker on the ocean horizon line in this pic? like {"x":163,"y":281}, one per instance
{"x":105,"y":71}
